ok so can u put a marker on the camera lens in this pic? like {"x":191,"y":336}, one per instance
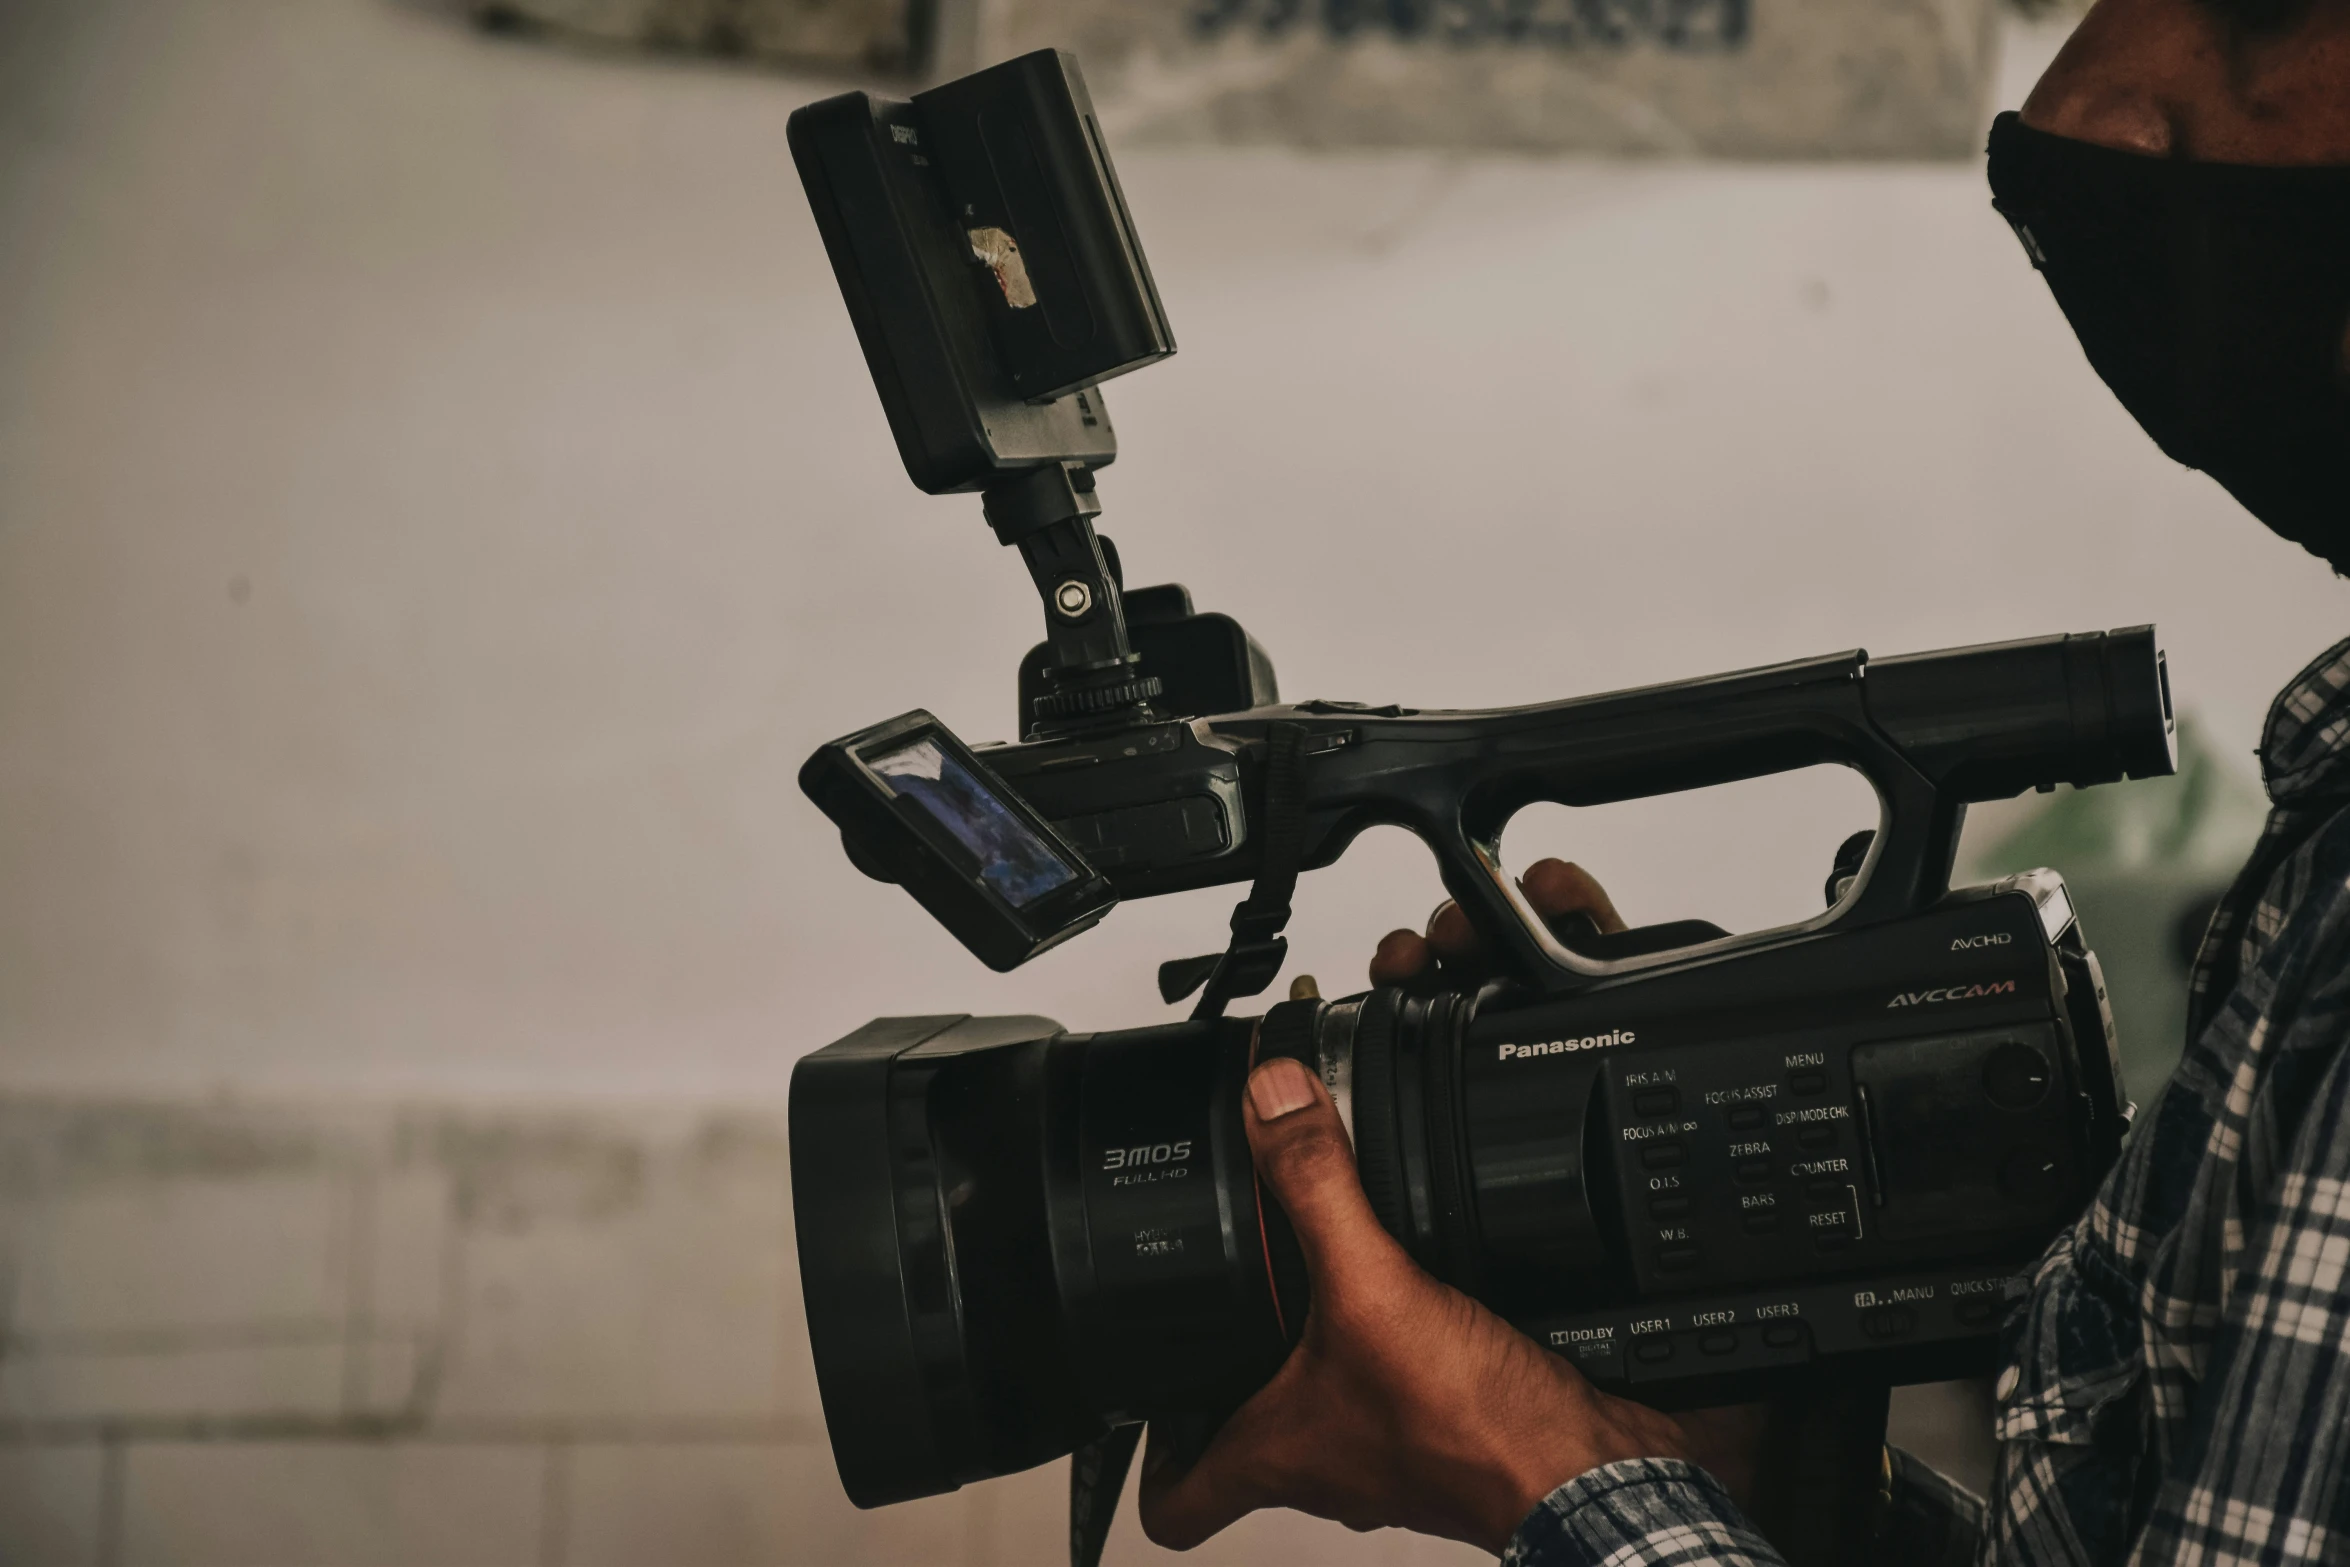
{"x":1013,"y":1238}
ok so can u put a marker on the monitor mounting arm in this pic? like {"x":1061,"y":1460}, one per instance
{"x":1095,"y":679}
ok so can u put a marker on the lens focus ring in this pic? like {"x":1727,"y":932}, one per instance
{"x":1377,"y":1154}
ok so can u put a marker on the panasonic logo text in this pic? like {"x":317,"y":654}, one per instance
{"x":1925,"y":998}
{"x":1559,"y":1047}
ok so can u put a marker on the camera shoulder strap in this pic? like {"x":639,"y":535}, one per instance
{"x":1097,"y":1474}
{"x":1257,"y":949}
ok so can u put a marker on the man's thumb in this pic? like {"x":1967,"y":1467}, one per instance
{"x":1305,"y":1161}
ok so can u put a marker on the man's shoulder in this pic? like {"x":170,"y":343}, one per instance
{"x":2301,"y":922}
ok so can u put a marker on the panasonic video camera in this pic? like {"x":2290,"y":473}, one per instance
{"x":1702,"y":1167}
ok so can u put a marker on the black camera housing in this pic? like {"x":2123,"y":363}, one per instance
{"x":1719,"y":1181}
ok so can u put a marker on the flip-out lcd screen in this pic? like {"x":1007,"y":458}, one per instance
{"x":1017,"y":864}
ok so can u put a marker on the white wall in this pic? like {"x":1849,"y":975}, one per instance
{"x":441,"y":503}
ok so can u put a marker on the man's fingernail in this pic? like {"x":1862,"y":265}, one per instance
{"x":1278,"y":1087}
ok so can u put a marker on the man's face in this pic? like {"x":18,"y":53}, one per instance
{"x":2182,"y":178}
{"x":2194,"y":79}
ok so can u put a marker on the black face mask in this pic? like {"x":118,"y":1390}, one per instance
{"x":2214,"y":299}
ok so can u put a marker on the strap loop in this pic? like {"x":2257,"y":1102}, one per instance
{"x":1257,"y":949}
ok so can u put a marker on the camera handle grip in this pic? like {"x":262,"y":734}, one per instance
{"x":1744,"y":727}
{"x":1930,"y":731}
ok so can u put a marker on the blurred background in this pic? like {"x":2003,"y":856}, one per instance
{"x":441,"y":503}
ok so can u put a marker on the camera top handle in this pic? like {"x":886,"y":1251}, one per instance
{"x":1932,"y":732}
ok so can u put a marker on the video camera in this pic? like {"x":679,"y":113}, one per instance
{"x":1702,"y":1167}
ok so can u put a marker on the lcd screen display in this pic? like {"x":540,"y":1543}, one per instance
{"x":1015,"y":863}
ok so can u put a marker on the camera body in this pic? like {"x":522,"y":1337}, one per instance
{"x":1711,"y":1182}
{"x":1707,"y":1181}
{"x":1701,"y":1166}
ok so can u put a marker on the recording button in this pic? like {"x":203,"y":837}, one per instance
{"x":1652,"y":1347}
{"x":1655,"y":1101}
{"x":1721,"y":1341}
{"x":1888,"y":1322}
{"x":1982,"y":1311}
{"x":1823,"y":1191}
{"x":1668,"y":1207}
{"x":1816,"y":1134}
{"x":1807,"y":1083}
{"x":1663,"y":1156}
{"x":1747,"y":1118}
{"x":1751,"y":1172}
{"x":1676,"y":1259}
{"x":1765,"y":1223}
{"x":1782,"y":1335}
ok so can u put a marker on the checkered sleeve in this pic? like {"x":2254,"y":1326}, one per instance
{"x":1645,"y":1512}
{"x":2264,"y":1475}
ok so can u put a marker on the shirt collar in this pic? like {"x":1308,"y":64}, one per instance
{"x":2305,"y":745}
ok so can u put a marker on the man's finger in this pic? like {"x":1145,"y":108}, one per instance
{"x":1451,"y":934}
{"x":1181,"y":1507}
{"x":1559,"y":887}
{"x":1402,"y":955}
{"x":1307,"y":1164}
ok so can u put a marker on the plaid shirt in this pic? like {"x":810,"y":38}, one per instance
{"x":2177,"y":1383}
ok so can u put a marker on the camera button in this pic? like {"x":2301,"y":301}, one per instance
{"x":1655,"y":1101}
{"x":1652,"y":1347}
{"x":1782,"y":1335}
{"x":1764,"y":1223}
{"x":1830,"y":1240}
{"x":1676,"y":1259}
{"x":1823,"y":1191}
{"x":1979,"y":1312}
{"x":1747,"y":1118}
{"x":1751,"y":1172}
{"x":1807,"y":1083}
{"x":1816,"y":1134}
{"x":1888,"y":1322}
{"x":2015,"y":1076}
{"x":1719,"y":1341}
{"x":1668,"y":1207}
{"x":1664,"y":1156}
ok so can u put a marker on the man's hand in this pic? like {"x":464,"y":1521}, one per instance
{"x":1557,"y":890}
{"x":1407,"y":1404}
